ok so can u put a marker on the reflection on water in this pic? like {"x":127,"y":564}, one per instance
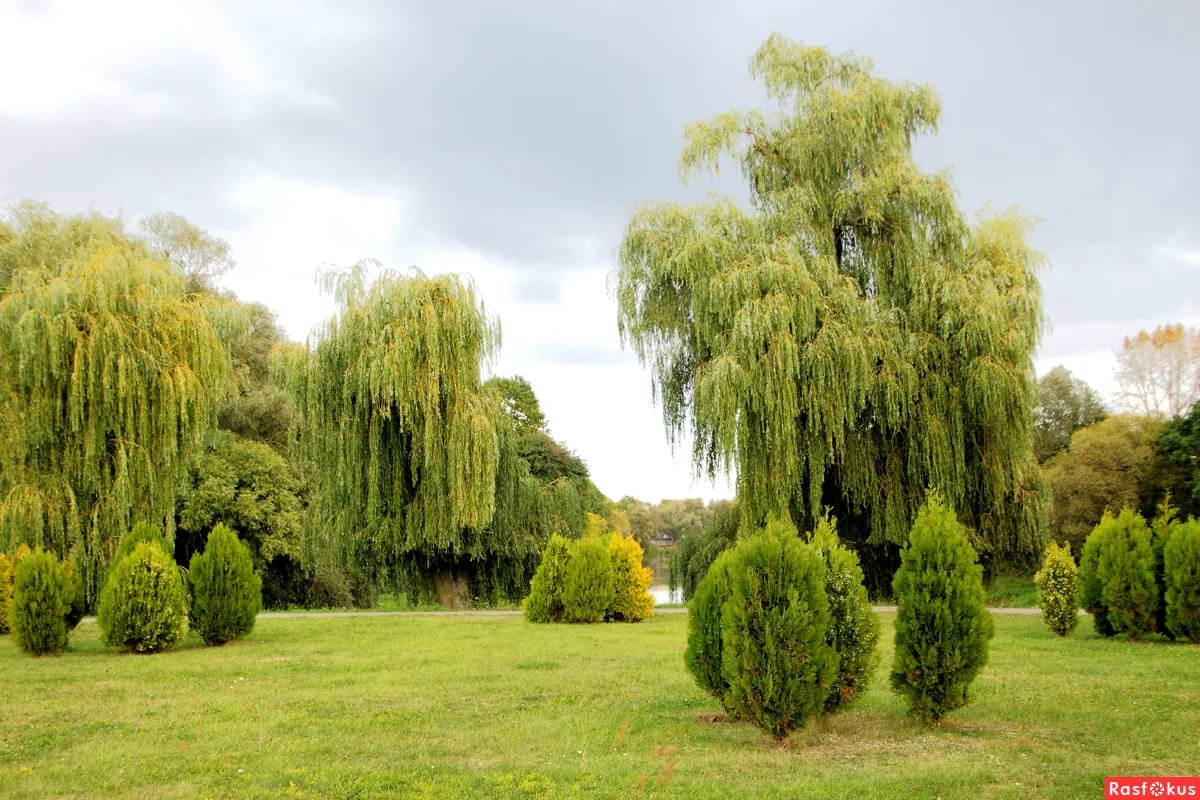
{"x":662,"y":594}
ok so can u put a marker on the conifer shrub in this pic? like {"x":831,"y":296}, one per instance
{"x":1125,"y":568}
{"x":545,"y":600}
{"x":78,"y":602}
{"x":1160,"y":532}
{"x":1058,"y":589}
{"x":632,"y":601}
{"x":1091,"y":587}
{"x":775,"y":651}
{"x":226,"y":594}
{"x":853,"y":627}
{"x":588,"y":584}
{"x":703,"y":656}
{"x":942,"y":623}
{"x":1181,"y":565}
{"x":143,"y":605}
{"x":41,"y":600}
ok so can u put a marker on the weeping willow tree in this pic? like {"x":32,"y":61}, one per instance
{"x":109,"y":376}
{"x":416,"y":470}
{"x":850,"y":340}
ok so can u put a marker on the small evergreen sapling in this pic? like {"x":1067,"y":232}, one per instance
{"x":1058,"y":589}
{"x":1181,"y":562}
{"x":1091,"y":586}
{"x":226,"y":593}
{"x":942,"y":623}
{"x":632,"y":601}
{"x":41,"y":600}
{"x":545,"y":600}
{"x":853,"y":628}
{"x":588,"y":583}
{"x":775,"y":654}
{"x":143,"y":605}
{"x":1126,"y":571}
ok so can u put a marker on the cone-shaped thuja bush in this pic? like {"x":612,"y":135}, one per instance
{"x":1181,"y":567}
{"x":775,"y":654}
{"x":1125,"y":568}
{"x":545,"y":600}
{"x":226,"y":593}
{"x":1058,"y":589}
{"x":588,"y":583}
{"x":143,"y":605}
{"x":41,"y":601}
{"x":853,"y":627}
{"x":632,"y":601}
{"x":1091,"y":587}
{"x":942,"y":624}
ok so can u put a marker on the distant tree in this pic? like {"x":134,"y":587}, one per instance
{"x":1179,"y":445}
{"x":519,"y":402}
{"x":695,"y":552}
{"x":1109,"y":465}
{"x":642,"y":521}
{"x":1158,"y":373}
{"x":110,"y":375}
{"x":417,"y":475}
{"x":851,"y":338}
{"x":1065,"y":404}
{"x":678,"y":518}
{"x":200,"y":256}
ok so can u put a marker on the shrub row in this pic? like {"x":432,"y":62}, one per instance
{"x":1137,"y":579}
{"x":595,"y":578}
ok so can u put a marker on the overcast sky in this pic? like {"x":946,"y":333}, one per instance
{"x":513,"y":141}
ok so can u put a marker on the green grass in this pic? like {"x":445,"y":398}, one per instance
{"x":496,"y":707}
{"x":1012,"y":591}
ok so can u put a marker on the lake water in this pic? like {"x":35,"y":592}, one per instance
{"x":662,"y":594}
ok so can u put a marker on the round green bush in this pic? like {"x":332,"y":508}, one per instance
{"x":1125,"y":568}
{"x":703,"y":654}
{"x":942,"y":623}
{"x":545,"y":601}
{"x":588,"y":583}
{"x":632,"y":601}
{"x":328,"y":588}
{"x":1091,"y":587}
{"x":226,"y":593}
{"x":775,"y":650}
{"x":143,"y":605}
{"x":1058,"y":589}
{"x":853,"y":628}
{"x":41,"y":600}
{"x":1181,"y":566}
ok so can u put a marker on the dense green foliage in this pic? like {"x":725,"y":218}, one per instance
{"x":1181,"y":562}
{"x":141,"y":533}
{"x":587,"y":591}
{"x":1179,"y":444}
{"x":545,"y":602}
{"x":226,"y":594}
{"x":852,"y":339}
{"x":249,"y":487}
{"x":110,"y":372}
{"x":631,"y":600}
{"x":1125,"y":571}
{"x":519,"y":402}
{"x":1058,"y":589}
{"x":942,"y":624}
{"x":6,"y":580}
{"x":696,"y":551}
{"x":1108,"y":465}
{"x":853,"y":626}
{"x":328,"y":588}
{"x":40,"y":604}
{"x":143,"y":605}
{"x":775,"y":651}
{"x":703,"y":657}
{"x":1091,"y":587}
{"x":1064,"y":405}
{"x":416,"y":470}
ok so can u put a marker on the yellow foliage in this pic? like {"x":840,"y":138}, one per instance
{"x":631,"y":581}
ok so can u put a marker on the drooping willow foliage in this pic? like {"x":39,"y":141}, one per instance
{"x":850,"y":340}
{"x":416,"y":471}
{"x":109,"y":376}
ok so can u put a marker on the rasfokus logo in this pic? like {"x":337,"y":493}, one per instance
{"x":1157,"y":786}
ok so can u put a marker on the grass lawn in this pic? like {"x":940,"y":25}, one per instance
{"x":496,"y":707}
{"x":1012,"y":591}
